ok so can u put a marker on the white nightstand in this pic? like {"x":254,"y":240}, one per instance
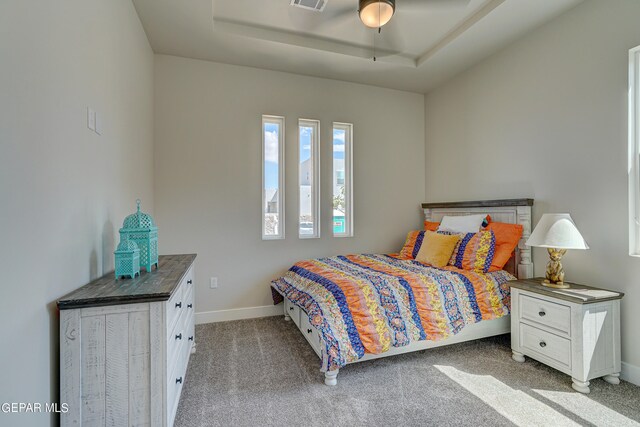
{"x":575,"y":330}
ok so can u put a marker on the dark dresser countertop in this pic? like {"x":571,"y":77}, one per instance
{"x":158,"y":285}
{"x":535,"y":285}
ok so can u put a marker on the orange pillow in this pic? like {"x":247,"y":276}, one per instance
{"x":412,"y":244}
{"x":431,"y":226}
{"x":507,"y":238}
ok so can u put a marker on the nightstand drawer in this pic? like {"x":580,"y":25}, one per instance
{"x":546,"y":345}
{"x":546,"y":313}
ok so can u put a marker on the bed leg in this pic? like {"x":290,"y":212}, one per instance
{"x":331,"y":377}
{"x":287,"y":317}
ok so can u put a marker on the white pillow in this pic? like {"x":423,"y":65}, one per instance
{"x":461,"y":223}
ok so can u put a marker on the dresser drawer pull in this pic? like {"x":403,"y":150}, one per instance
{"x":179,"y":336}
{"x":290,"y":308}
{"x":191,"y":338}
{"x":189,"y":305}
{"x":189,"y":282}
{"x":179,"y":304}
{"x":542,"y":313}
{"x":309,"y":331}
{"x":543,"y":344}
{"x":179,"y":380}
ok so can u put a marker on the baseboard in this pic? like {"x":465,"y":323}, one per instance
{"x":630,"y":373}
{"x":238,"y":314}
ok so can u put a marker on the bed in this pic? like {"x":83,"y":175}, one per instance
{"x":353,"y":308}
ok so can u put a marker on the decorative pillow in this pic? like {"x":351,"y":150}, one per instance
{"x":412,"y":244}
{"x":431,"y":226}
{"x":479,"y":252}
{"x":462,"y":223}
{"x":458,"y":251}
{"x":507,"y":238}
{"x":436,"y":248}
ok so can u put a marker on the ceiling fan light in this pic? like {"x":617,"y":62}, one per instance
{"x":376,"y":13}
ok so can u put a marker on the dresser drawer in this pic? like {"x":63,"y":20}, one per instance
{"x":187,"y":280}
{"x":293,"y":311}
{"x":188,"y":301}
{"x":189,"y":324}
{"x":174,"y":308}
{"x":546,"y":313}
{"x":175,"y":380}
{"x":175,"y":342}
{"x":553,"y":349}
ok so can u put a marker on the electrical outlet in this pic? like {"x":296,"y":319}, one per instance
{"x":213,"y":283}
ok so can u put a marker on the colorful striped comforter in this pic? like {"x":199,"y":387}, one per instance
{"x":371,"y":303}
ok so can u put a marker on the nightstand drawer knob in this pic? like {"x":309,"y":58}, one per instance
{"x":543,"y":344}
{"x":541,"y":313}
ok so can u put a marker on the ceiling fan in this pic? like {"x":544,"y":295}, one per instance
{"x":375,"y":14}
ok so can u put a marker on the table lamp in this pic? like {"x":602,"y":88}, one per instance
{"x":557,"y":233}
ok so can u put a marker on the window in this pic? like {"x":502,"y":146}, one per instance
{"x":308,"y":179}
{"x":634,"y":151}
{"x":272,"y":177}
{"x":342,"y":180}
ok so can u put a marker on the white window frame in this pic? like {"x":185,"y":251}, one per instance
{"x":634,"y":152}
{"x":348,"y":178}
{"x":279,"y":120}
{"x":315,"y":187}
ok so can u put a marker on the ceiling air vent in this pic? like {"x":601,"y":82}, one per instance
{"x":317,"y":5}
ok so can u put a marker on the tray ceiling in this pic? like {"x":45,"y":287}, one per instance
{"x":421,"y":47}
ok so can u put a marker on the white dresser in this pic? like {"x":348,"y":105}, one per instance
{"x":125,"y":346}
{"x":576,"y":336}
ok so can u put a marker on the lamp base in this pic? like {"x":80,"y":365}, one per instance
{"x":555,"y":273}
{"x":558,"y":285}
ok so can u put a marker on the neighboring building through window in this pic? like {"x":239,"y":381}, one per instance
{"x":272,"y":177}
{"x":342,"y":180}
{"x":308,"y":178}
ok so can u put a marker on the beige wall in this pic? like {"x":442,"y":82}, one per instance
{"x":547,"y":118}
{"x":208,"y":170}
{"x":64,"y":190}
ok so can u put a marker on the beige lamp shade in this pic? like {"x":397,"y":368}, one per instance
{"x":557,"y":231}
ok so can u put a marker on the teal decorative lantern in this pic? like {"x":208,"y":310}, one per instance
{"x":127,"y":259}
{"x":140,"y":228}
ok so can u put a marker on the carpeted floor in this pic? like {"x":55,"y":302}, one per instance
{"x":262,"y":372}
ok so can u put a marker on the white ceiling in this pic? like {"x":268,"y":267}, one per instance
{"x":422,"y":46}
